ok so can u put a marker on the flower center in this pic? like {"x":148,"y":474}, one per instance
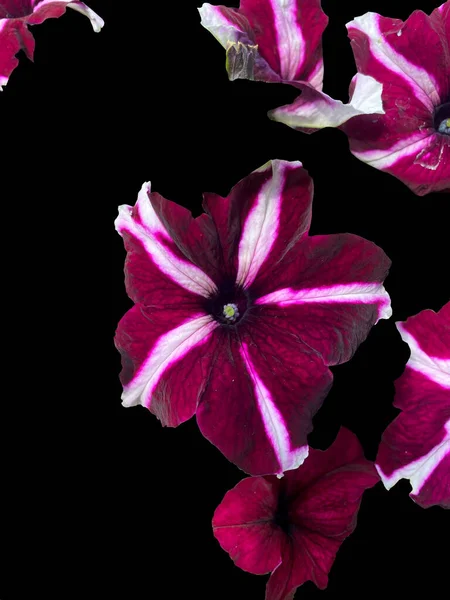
{"x":281,"y":517}
{"x":229,"y":304}
{"x":442,"y":119}
{"x":15,"y":9}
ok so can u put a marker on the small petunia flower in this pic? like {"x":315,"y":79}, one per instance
{"x":16,"y":15}
{"x":294,"y":526}
{"x":238,"y":313}
{"x":280,"y":41}
{"x":416,"y":445}
{"x":411,"y":60}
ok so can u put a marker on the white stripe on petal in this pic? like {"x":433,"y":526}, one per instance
{"x":260,"y":229}
{"x":274,"y":424}
{"x":290,"y":42}
{"x":213,"y":19}
{"x":435,"y":369}
{"x":96,"y":21}
{"x":387,"y":157}
{"x":353,"y":293}
{"x":419,"y":470}
{"x":422,"y":82}
{"x":169,"y":348}
{"x":184,"y":273}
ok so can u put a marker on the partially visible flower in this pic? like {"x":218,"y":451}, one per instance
{"x":239,"y":313}
{"x":16,"y":15}
{"x":281,"y":41}
{"x":416,"y":445}
{"x":294,"y":526}
{"x":411,"y":60}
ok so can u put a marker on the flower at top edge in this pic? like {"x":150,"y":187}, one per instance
{"x":16,"y":15}
{"x":411,"y":60}
{"x":416,"y":445}
{"x":294,"y":526}
{"x":281,"y":41}
{"x":239,"y":312}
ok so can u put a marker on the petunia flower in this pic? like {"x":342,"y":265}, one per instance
{"x":281,"y":41}
{"x":416,"y":445}
{"x":239,"y":313}
{"x":16,"y":15}
{"x":294,"y":526}
{"x":411,"y":60}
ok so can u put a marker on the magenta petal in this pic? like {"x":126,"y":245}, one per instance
{"x":270,"y":40}
{"x":264,"y":215}
{"x":412,"y":61}
{"x":273,"y":386}
{"x":338,"y":295}
{"x":416,"y":445}
{"x":243,"y":525}
{"x":164,"y":359}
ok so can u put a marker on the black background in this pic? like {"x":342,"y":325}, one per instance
{"x":83,"y":127}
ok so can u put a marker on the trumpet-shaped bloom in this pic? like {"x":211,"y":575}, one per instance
{"x":294,"y":526}
{"x":281,"y":41}
{"x":416,"y":445}
{"x":16,"y":15}
{"x":238,"y":313}
{"x":411,"y":60}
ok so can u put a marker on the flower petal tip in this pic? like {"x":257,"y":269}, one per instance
{"x":96,"y":21}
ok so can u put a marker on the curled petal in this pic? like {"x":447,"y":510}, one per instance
{"x":314,"y":110}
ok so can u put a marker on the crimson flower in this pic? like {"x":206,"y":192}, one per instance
{"x":239,"y":313}
{"x":416,"y":445}
{"x":16,"y":15}
{"x":294,"y":526}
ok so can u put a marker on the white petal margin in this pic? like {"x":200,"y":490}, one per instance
{"x":169,"y":348}
{"x":423,"y":84}
{"x":273,"y":421}
{"x":351,"y":293}
{"x":435,"y":369}
{"x":290,"y":42}
{"x":419,"y":470}
{"x":316,"y":110}
{"x":183,"y":273}
{"x":225,"y":31}
{"x":260,"y":229}
{"x":96,"y":21}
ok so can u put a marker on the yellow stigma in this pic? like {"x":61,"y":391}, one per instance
{"x":230,"y":312}
{"x":447,"y":123}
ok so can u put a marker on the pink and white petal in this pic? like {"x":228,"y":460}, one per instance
{"x":314,"y":109}
{"x":48,"y":9}
{"x":305,"y":557}
{"x":336,"y":295}
{"x":164,"y":360}
{"x":417,"y":442}
{"x":416,"y":51}
{"x":14,"y":36}
{"x":263,"y":217}
{"x":403,"y":142}
{"x":157,"y":274}
{"x":270,"y":40}
{"x":273,"y":387}
{"x":243,"y":524}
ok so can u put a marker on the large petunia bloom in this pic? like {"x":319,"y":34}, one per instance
{"x":16,"y":15}
{"x":416,"y":445}
{"x":294,"y":526}
{"x":411,"y":60}
{"x":239,"y":313}
{"x":281,"y":41}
